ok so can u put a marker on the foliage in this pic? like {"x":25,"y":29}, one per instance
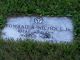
{"x":29,"y":50}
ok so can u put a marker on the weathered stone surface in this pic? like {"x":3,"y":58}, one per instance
{"x":53,"y":29}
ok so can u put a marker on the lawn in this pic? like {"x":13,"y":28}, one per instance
{"x":30,"y":50}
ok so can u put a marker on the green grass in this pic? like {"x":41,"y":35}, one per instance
{"x":29,"y":50}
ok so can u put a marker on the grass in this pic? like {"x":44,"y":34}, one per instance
{"x":29,"y":50}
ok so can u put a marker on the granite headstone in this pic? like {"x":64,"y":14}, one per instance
{"x":52,"y":29}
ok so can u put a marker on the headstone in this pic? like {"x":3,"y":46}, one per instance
{"x":52,"y":29}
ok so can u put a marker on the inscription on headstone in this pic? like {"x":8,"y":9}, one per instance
{"x":53,"y":29}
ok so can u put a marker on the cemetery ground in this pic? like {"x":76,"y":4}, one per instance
{"x":30,"y":50}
